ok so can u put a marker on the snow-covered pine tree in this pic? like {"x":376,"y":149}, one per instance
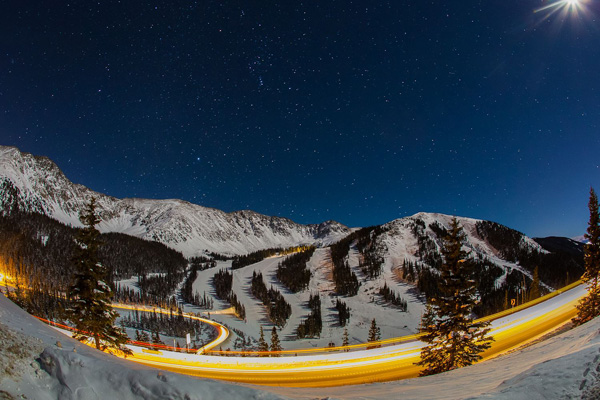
{"x":90,"y":295}
{"x":262,"y":343}
{"x":275,"y":344}
{"x":589,"y":306}
{"x":453,"y":339}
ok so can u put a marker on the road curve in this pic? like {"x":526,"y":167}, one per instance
{"x":512,"y":328}
{"x":222,"y":331}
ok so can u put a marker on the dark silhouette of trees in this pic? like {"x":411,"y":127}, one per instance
{"x":278,"y":310}
{"x":292,"y":271}
{"x":223,"y":284}
{"x":190,"y":296}
{"x":257,"y":256}
{"x":90,"y":295}
{"x":313,"y":324}
{"x":589,"y":307}
{"x":343,"y":312}
{"x":390,"y":296}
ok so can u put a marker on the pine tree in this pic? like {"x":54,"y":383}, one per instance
{"x":156,"y":338}
{"x":263,"y":346}
{"x":453,"y":339}
{"x":90,"y":295}
{"x":345,"y":340}
{"x":275,"y":345}
{"x":534,"y":291}
{"x":374,"y":335}
{"x":589,"y":307}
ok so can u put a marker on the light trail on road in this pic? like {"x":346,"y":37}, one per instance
{"x":511,"y":329}
{"x":222,"y":331}
{"x":323,"y":367}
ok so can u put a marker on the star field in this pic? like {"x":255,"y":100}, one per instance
{"x":357,"y":111}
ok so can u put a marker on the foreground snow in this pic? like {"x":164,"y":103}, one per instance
{"x":36,"y":366}
{"x":45,"y":364}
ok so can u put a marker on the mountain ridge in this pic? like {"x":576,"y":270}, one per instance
{"x":38,"y":185}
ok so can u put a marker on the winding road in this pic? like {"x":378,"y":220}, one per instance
{"x":392,"y":361}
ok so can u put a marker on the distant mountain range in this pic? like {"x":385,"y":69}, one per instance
{"x":36,"y":184}
{"x":580,"y":239}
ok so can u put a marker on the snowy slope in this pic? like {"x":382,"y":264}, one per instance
{"x":49,"y":365}
{"x":36,"y":184}
{"x":397,"y":243}
{"x":401,"y":243}
{"x":364,"y":306}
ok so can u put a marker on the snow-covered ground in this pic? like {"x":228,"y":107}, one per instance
{"x":38,"y":362}
{"x":41,"y":363}
{"x":365,"y":306}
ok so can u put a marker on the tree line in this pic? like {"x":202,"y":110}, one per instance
{"x":257,"y":256}
{"x":173,"y":324}
{"x":222,"y":281}
{"x":312,"y":325}
{"x":278,"y":310}
{"x":292,"y":271}
{"x":390,"y":296}
{"x":343,"y":312}
{"x":371,"y":262}
{"x":345,"y":280}
{"x":191,"y":296}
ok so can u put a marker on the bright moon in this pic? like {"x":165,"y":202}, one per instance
{"x":572,"y":5}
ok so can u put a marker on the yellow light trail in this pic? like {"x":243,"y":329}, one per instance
{"x":394,"y":360}
{"x":511,"y":329}
{"x":222,"y":331}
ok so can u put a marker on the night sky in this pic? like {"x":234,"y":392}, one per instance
{"x":356,"y":111}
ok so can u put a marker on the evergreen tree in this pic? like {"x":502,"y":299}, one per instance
{"x":275,"y":345}
{"x":534,"y":291}
{"x":313,"y":324}
{"x":90,"y":295}
{"x":453,"y":338}
{"x":156,"y":338}
{"x":374,"y":335}
{"x":589,"y":307}
{"x":345,"y":340}
{"x":262,"y":343}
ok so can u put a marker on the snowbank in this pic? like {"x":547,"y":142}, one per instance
{"x":40,"y":363}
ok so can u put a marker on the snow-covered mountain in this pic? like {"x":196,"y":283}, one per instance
{"x":36,"y":184}
{"x":581,"y":239}
{"x":412,"y":238}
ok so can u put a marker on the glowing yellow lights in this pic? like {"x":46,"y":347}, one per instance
{"x":384,"y":364}
{"x":5,"y":279}
{"x":344,"y":368}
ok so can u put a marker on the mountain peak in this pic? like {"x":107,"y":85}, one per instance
{"x":36,"y":184}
